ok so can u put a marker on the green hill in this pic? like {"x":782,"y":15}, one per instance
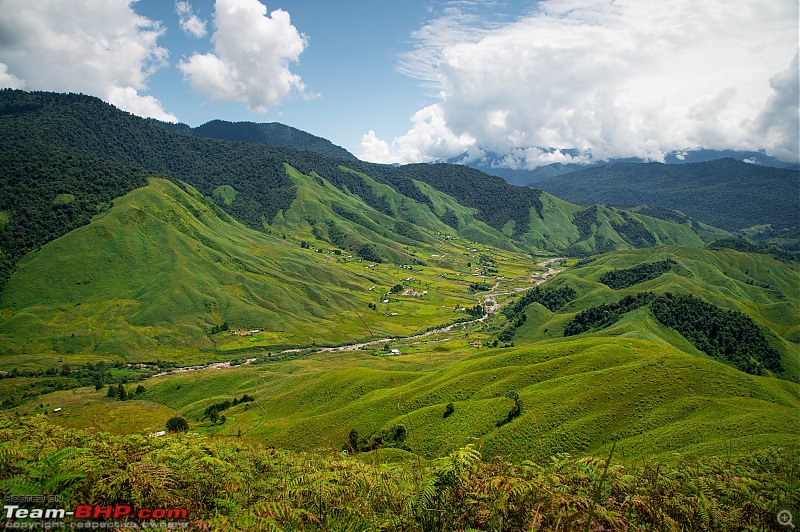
{"x":759,"y":286}
{"x":272,"y":134}
{"x":150,"y":277}
{"x":636,"y":381}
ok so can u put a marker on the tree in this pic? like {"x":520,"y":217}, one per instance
{"x":112,"y":392}
{"x":449,"y":409}
{"x":352,"y":440}
{"x":177,"y":424}
{"x":122,"y":395}
{"x":396,"y":289}
{"x":515,"y":411}
{"x":139,"y":390}
{"x":398,"y":433}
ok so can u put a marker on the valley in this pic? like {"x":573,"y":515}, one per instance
{"x":420,"y":331}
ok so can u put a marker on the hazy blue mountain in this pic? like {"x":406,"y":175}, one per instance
{"x":725,"y":193}
{"x":495,"y":164}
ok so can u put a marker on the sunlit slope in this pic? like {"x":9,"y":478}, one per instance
{"x":151,"y":277}
{"x":582,"y":231}
{"x":340,"y":218}
{"x":765,"y":289}
{"x":577,"y":396}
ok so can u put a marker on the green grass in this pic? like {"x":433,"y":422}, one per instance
{"x":148,"y":279}
{"x":225,"y":194}
{"x":578,"y":395}
{"x":761,"y":287}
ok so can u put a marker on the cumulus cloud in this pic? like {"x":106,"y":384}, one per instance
{"x":99,"y":47}
{"x":251,"y":57}
{"x":778,"y":120}
{"x":431,"y":139}
{"x":9,"y":80}
{"x":603,"y":79}
{"x":190,"y":23}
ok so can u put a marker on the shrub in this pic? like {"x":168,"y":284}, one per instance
{"x":177,"y":424}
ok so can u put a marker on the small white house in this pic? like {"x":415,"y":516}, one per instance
{"x":394,"y":352}
{"x":57,"y":410}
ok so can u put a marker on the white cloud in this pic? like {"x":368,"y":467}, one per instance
{"x":610,"y":79}
{"x":190,"y":23}
{"x":778,"y":120}
{"x":429,"y":140}
{"x":99,"y":47}
{"x":252,"y":53}
{"x":9,"y":80}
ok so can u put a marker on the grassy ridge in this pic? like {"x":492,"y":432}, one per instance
{"x":761,"y":287}
{"x":509,"y":217}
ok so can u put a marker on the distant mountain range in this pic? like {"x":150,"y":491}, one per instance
{"x":495,"y":164}
{"x":725,"y":193}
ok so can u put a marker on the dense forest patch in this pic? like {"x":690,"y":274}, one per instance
{"x":728,"y":336}
{"x":618,"y":279}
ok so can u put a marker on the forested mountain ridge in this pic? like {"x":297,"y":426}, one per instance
{"x":250,"y":182}
{"x":724,"y":193}
{"x":271,"y":134}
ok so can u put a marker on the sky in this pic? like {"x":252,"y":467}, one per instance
{"x":527,"y":82}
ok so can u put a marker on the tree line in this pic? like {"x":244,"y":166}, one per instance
{"x":552,"y":298}
{"x":619,"y":279}
{"x":727,"y":336}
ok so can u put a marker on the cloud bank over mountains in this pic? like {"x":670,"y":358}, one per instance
{"x":603,"y":79}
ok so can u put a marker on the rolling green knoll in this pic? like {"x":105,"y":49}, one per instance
{"x":149,"y":278}
{"x":763,"y":288}
{"x":637,"y":381}
{"x":577,"y":396}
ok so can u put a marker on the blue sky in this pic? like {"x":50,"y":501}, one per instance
{"x":348,"y":67}
{"x":524,"y":82}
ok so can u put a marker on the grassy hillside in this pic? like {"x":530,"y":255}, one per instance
{"x":598,"y":229}
{"x":231,"y":485}
{"x":758,"y":285}
{"x":150,"y":278}
{"x":249,"y":180}
{"x":637,"y":381}
{"x":577,"y":396}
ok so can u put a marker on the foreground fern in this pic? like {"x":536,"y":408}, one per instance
{"x":230,"y":485}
